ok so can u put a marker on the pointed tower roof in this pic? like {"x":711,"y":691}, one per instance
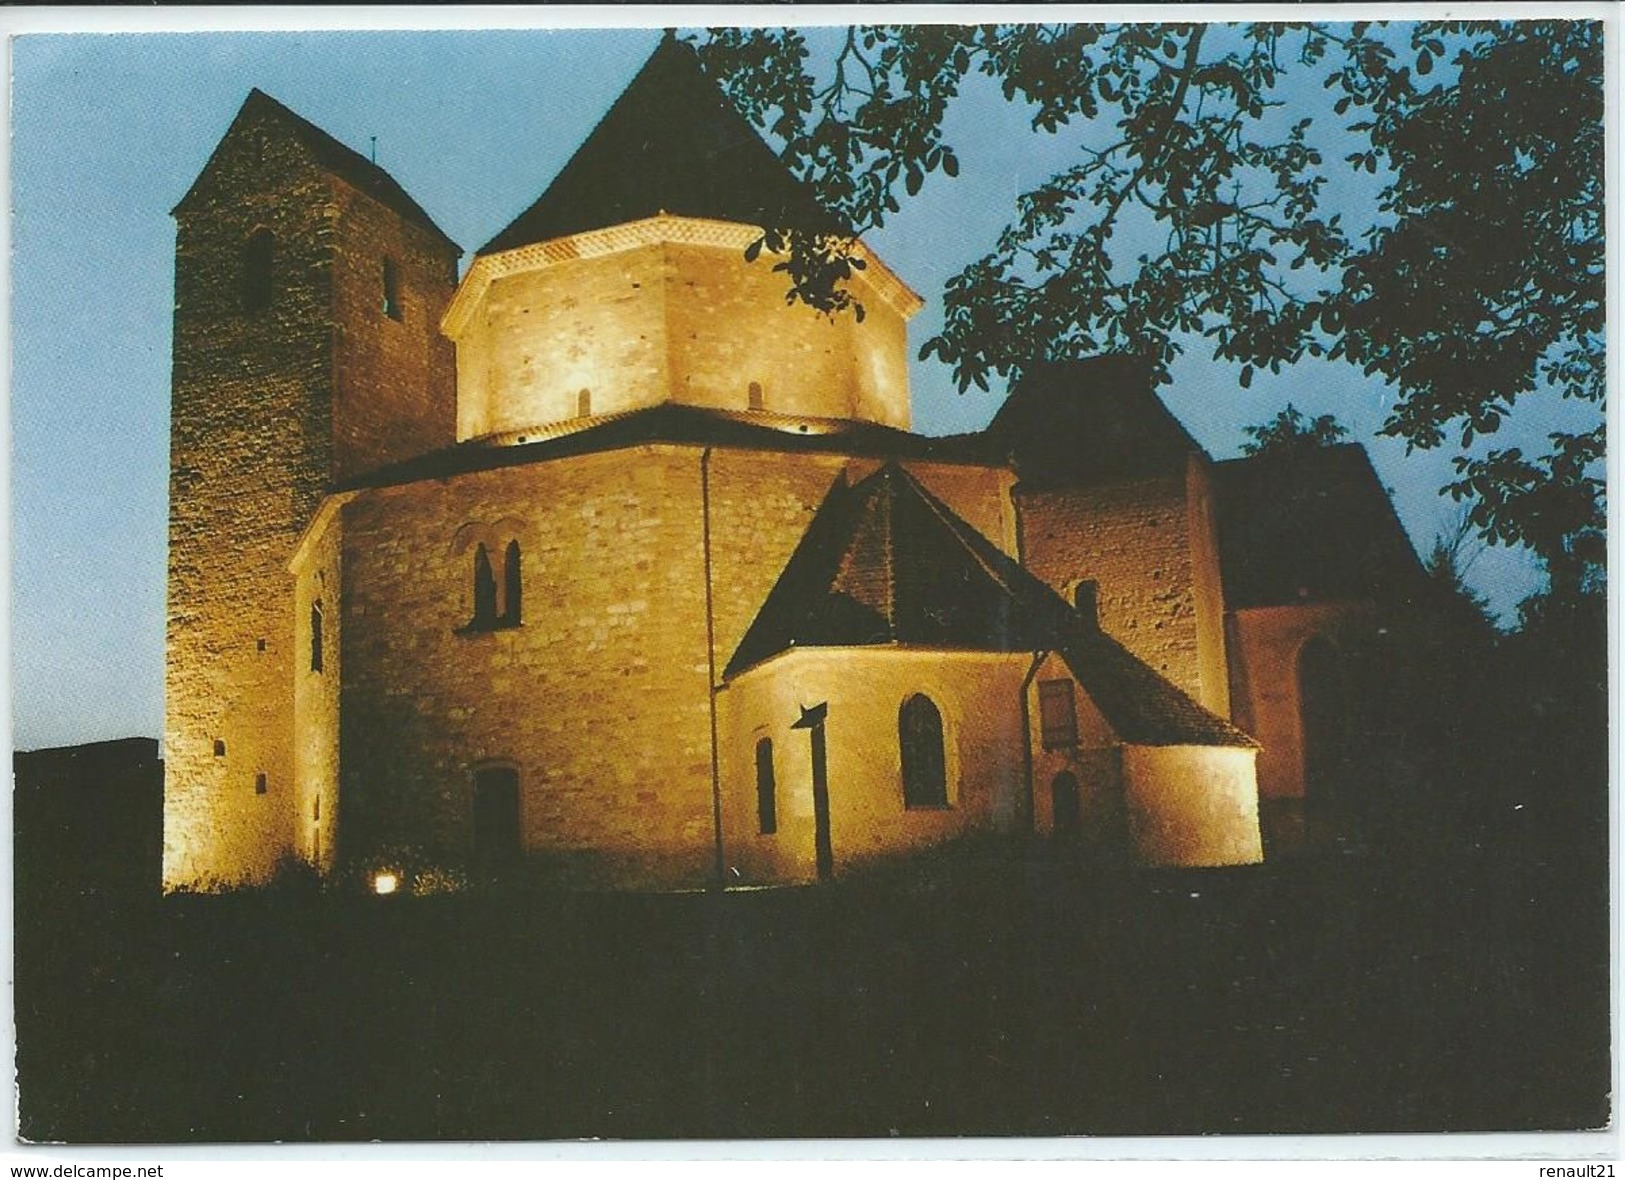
{"x":672,"y":142}
{"x":886,"y":562}
{"x":1084,"y":421}
{"x":332,"y":157}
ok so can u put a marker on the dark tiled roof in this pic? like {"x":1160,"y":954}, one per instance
{"x":1309,"y":526}
{"x":1142,"y":708}
{"x":337,"y":160}
{"x":886,"y":562}
{"x":1077,"y":422}
{"x":673,"y":423}
{"x":671,"y":142}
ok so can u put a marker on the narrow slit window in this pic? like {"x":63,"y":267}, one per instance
{"x":1057,"y":716}
{"x":755,"y":395}
{"x":485,"y":591}
{"x":584,"y":404}
{"x":316,"y":636}
{"x":261,"y":786}
{"x":767,"y":804}
{"x":391,"y":290}
{"x":258,"y":259}
{"x":511,"y":586}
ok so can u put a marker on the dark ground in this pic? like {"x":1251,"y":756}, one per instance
{"x":989,"y":998}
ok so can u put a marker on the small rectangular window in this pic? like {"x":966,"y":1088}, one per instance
{"x":219,"y":747}
{"x":1057,"y":716}
{"x":259,"y":784}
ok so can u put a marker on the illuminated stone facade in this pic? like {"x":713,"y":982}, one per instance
{"x":556,"y":566}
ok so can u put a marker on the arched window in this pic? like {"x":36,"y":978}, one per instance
{"x":925,"y":768}
{"x":754,"y":392}
{"x":258,"y":254}
{"x":767,"y":804}
{"x":1086,"y":601}
{"x":391,"y":291}
{"x":511,"y":586}
{"x":485,"y":591}
{"x":1064,"y":803}
{"x":316,"y":636}
{"x":584,"y":403}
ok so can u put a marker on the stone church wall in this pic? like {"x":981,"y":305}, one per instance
{"x":729,"y":325}
{"x":979,"y":697}
{"x":543,"y":336}
{"x":1134,"y":540}
{"x":319,"y":573}
{"x":1264,"y":646}
{"x":598,"y":698}
{"x":1192,"y":806}
{"x":1095,"y":762}
{"x":395,"y":379}
{"x":669,"y":319}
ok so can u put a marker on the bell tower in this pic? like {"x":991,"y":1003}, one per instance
{"x":308,"y":292}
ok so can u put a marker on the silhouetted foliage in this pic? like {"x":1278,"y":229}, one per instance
{"x":1194,"y":209}
{"x":1290,"y":430}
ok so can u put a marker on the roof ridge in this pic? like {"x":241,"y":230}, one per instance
{"x":340,"y":160}
{"x":888,"y":549}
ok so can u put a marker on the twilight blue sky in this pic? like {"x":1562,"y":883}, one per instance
{"x":110,"y":130}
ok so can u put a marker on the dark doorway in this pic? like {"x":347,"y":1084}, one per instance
{"x":496,"y":817}
{"x":1064,"y":801}
{"x":1328,"y":710}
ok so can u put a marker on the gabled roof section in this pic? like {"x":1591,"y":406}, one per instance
{"x":332,"y":157}
{"x":1312,"y":525}
{"x":886,"y":562}
{"x":1068,"y":423}
{"x":671,"y":143}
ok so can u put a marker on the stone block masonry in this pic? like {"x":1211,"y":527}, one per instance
{"x":599,"y":698}
{"x":1133,"y":540}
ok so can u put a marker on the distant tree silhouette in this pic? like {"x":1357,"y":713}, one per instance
{"x":1472,"y":283}
{"x":1291,"y":431}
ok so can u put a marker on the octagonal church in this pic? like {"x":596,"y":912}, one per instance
{"x":607,"y":558}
